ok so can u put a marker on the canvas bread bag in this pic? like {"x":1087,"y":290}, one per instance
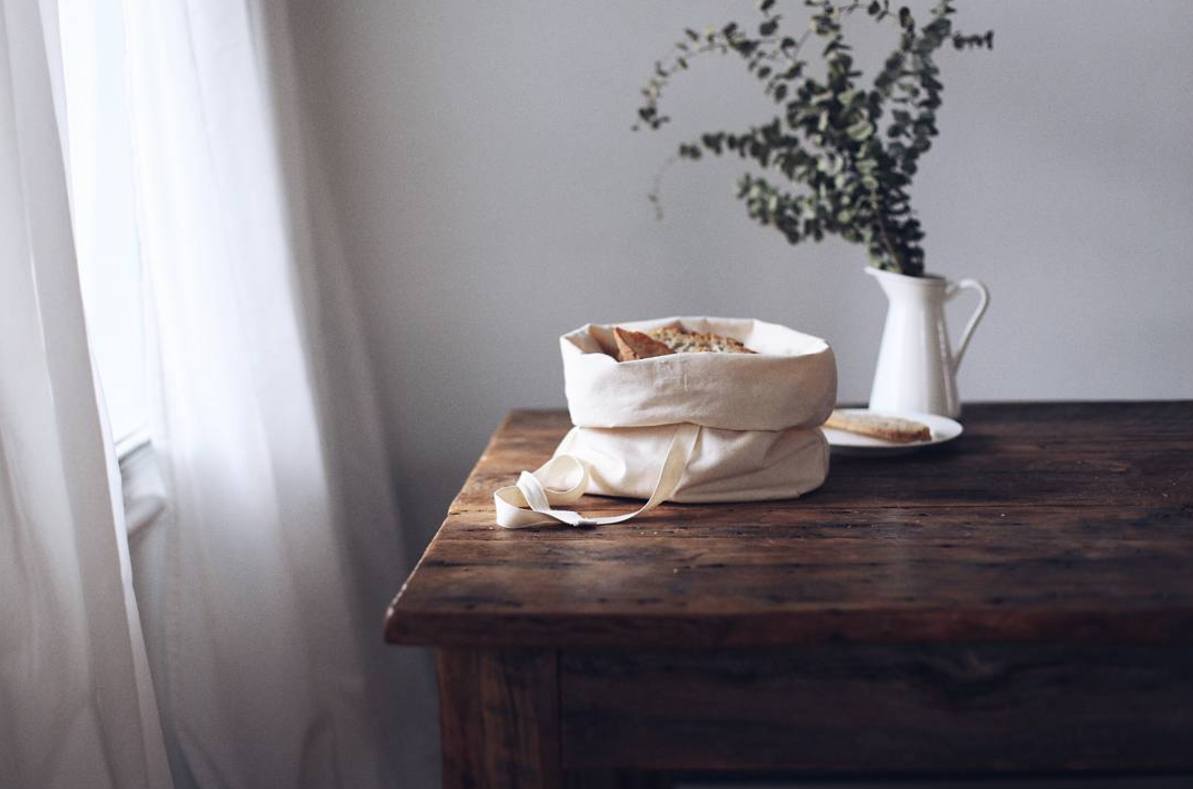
{"x":687,"y":427}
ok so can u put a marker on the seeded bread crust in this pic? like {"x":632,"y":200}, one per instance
{"x":632,"y":345}
{"x":888,"y":428}
{"x":681,"y":340}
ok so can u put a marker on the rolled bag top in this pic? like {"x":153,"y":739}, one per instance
{"x":790,"y":382}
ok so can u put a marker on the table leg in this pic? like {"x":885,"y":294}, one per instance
{"x":499,"y":714}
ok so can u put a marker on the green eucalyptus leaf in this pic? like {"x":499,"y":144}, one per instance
{"x":860,"y":130}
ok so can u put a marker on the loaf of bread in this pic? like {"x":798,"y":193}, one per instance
{"x":680,"y":340}
{"x":889,"y":428}
{"x":633,"y":345}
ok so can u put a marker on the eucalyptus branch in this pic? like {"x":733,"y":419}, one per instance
{"x":826,"y":138}
{"x":723,"y":41}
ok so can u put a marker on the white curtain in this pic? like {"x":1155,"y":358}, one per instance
{"x":77,"y":707}
{"x":278,"y":545}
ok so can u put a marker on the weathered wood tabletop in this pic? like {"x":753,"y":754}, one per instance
{"x":1020,"y":599}
{"x":1043,"y":522}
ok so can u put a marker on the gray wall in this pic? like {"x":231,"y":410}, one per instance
{"x":492,"y":196}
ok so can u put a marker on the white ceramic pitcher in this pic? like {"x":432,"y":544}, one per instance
{"x":916,"y":370}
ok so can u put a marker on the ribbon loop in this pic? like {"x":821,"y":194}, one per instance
{"x":533,"y":501}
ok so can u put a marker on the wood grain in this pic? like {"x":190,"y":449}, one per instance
{"x":1057,"y":523}
{"x":898,"y":709}
{"x":499,"y":718}
{"x":616,"y":779}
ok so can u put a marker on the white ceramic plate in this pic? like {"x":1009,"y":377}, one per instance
{"x":943,"y":429}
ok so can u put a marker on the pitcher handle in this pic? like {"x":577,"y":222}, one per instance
{"x":954,"y":290}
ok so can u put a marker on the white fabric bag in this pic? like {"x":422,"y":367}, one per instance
{"x":688,"y":427}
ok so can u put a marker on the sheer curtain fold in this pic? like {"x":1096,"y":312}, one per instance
{"x":79,"y":707}
{"x":346,"y":399}
{"x":279,"y":524}
{"x":263,"y":593}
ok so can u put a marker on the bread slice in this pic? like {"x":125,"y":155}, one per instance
{"x":633,"y":345}
{"x":681,"y":340}
{"x":888,"y":428}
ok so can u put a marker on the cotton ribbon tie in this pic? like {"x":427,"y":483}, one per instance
{"x":531,"y":490}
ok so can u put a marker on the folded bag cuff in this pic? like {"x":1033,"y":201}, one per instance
{"x":790,"y":381}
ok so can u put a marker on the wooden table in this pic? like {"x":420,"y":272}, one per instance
{"x":1018,"y":600}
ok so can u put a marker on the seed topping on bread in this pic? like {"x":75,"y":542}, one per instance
{"x":681,"y":340}
{"x":666,"y":340}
